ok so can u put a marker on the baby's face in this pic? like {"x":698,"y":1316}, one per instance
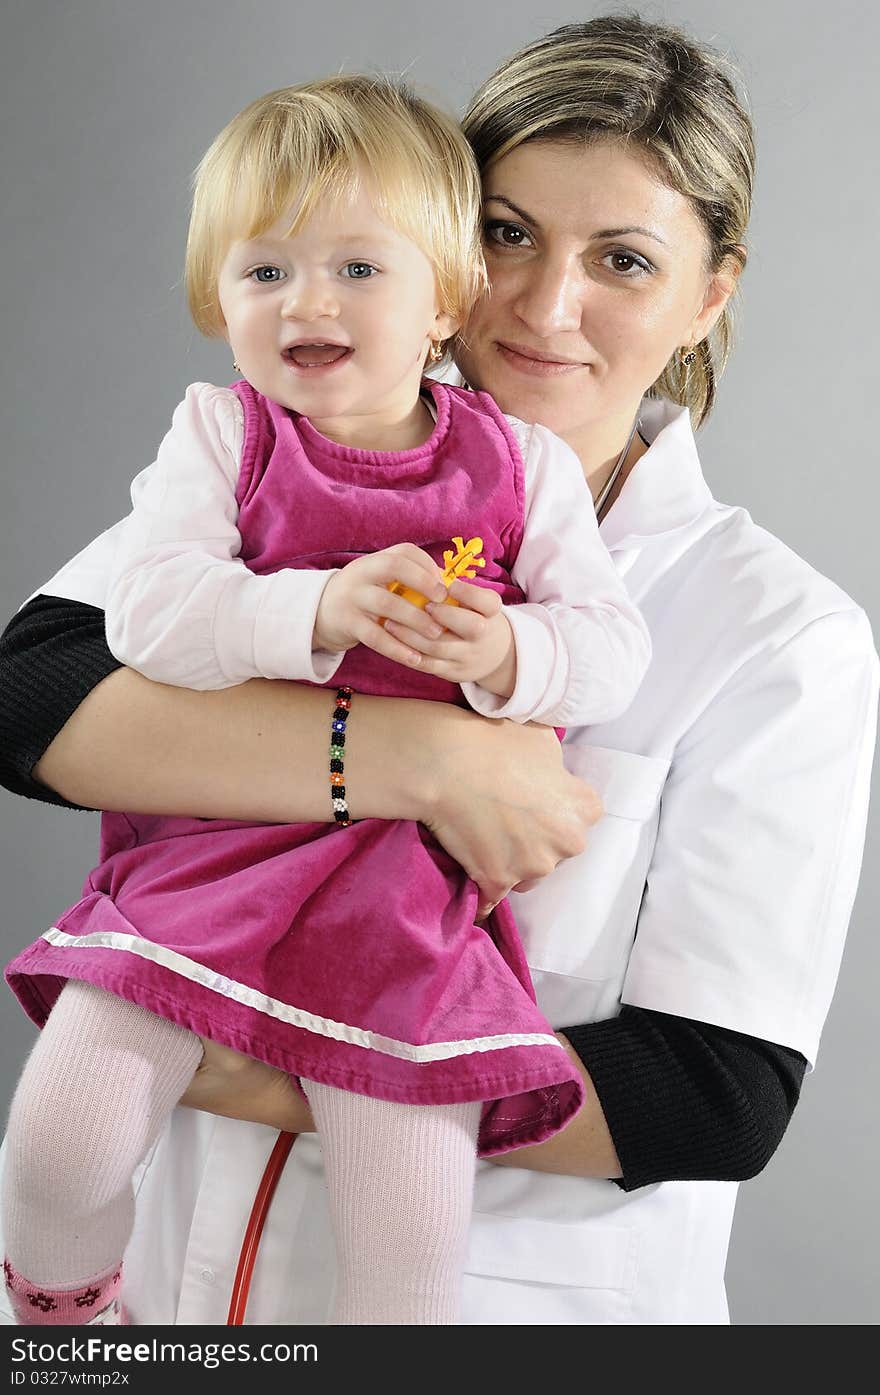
{"x":336,"y":321}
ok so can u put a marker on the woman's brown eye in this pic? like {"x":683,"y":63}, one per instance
{"x":626,"y":263}
{"x":507,"y":234}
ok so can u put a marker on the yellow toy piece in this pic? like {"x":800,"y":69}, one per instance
{"x":459,"y":563}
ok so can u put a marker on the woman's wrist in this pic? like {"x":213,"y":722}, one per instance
{"x":395,"y":750}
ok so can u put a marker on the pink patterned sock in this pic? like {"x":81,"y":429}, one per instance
{"x":95,"y":1304}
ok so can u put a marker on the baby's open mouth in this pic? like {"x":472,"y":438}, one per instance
{"x":316,"y":355}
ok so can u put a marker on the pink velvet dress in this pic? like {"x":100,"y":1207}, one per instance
{"x":343,"y":955}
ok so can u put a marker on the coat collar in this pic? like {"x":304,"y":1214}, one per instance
{"x":665,"y":489}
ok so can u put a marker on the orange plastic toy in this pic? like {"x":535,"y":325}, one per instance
{"x":459,"y":561}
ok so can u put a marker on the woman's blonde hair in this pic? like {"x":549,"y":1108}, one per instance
{"x":621,"y":78}
{"x":292,"y":147}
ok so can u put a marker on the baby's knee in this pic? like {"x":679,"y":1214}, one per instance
{"x":56,"y":1121}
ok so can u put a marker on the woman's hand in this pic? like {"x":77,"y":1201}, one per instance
{"x":239,"y":1087}
{"x":502,"y":803}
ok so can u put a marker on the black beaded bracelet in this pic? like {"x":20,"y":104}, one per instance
{"x":337,"y":756}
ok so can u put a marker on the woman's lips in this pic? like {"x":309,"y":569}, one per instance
{"x":520,"y":359}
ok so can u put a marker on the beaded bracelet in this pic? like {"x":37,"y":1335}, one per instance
{"x":337,"y":756}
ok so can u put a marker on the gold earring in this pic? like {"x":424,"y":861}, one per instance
{"x":435,"y":353}
{"x":687,"y":356}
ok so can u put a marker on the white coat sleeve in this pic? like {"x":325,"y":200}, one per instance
{"x":181,"y":607}
{"x":582,"y":647}
{"x":759,"y":845}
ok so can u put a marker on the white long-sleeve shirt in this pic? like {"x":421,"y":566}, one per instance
{"x":182,"y":608}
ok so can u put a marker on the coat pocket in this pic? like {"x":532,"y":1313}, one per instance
{"x":580,"y":921}
{"x":629,"y":784}
{"x":539,"y":1272}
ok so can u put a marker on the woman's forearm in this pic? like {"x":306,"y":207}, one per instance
{"x":255,"y":751}
{"x":584,"y":1148}
{"x":495,"y":795}
{"x":241,"y":1088}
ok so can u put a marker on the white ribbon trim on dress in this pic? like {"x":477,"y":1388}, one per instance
{"x":284,"y":1012}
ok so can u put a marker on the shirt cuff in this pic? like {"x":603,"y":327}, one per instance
{"x":266,"y":630}
{"x":541,"y":670}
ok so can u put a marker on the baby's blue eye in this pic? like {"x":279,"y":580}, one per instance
{"x":359,"y":271}
{"x":267,"y":275}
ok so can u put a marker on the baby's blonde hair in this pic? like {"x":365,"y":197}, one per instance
{"x":290,"y":148}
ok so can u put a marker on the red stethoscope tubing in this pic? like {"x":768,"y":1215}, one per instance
{"x":251,"y":1243}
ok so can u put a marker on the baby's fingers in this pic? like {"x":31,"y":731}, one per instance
{"x":412,"y":567}
{"x":386,"y":606}
{"x":480,"y":599}
{"x":464,"y":624}
{"x":375,"y":637}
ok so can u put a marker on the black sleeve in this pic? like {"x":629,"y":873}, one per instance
{"x":688,"y":1100}
{"x":52,"y":654}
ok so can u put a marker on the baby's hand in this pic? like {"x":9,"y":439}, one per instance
{"x":357,"y":599}
{"x":476,"y":645}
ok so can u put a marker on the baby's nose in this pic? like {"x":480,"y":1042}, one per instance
{"x":310,"y":299}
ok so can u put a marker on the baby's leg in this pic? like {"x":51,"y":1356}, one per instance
{"x":97,"y":1088}
{"x":401,"y":1181}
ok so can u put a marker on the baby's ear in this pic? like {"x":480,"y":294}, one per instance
{"x":446,"y":325}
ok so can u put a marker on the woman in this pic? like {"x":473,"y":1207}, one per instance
{"x":618,"y":170}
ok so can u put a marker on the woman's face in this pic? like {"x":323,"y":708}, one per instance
{"x":598,"y":274}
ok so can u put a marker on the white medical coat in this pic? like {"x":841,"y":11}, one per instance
{"x":735,"y":791}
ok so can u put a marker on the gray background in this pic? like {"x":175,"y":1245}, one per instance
{"x":106,"y":107}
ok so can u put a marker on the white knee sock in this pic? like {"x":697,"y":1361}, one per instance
{"x":93,"y":1096}
{"x":400,"y":1178}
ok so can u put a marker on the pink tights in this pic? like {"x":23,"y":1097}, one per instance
{"x":93,"y":1098}
{"x":95,"y":1092}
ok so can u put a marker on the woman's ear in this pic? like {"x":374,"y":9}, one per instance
{"x":721,"y":286}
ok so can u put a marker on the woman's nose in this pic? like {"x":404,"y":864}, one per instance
{"x":550,"y":298}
